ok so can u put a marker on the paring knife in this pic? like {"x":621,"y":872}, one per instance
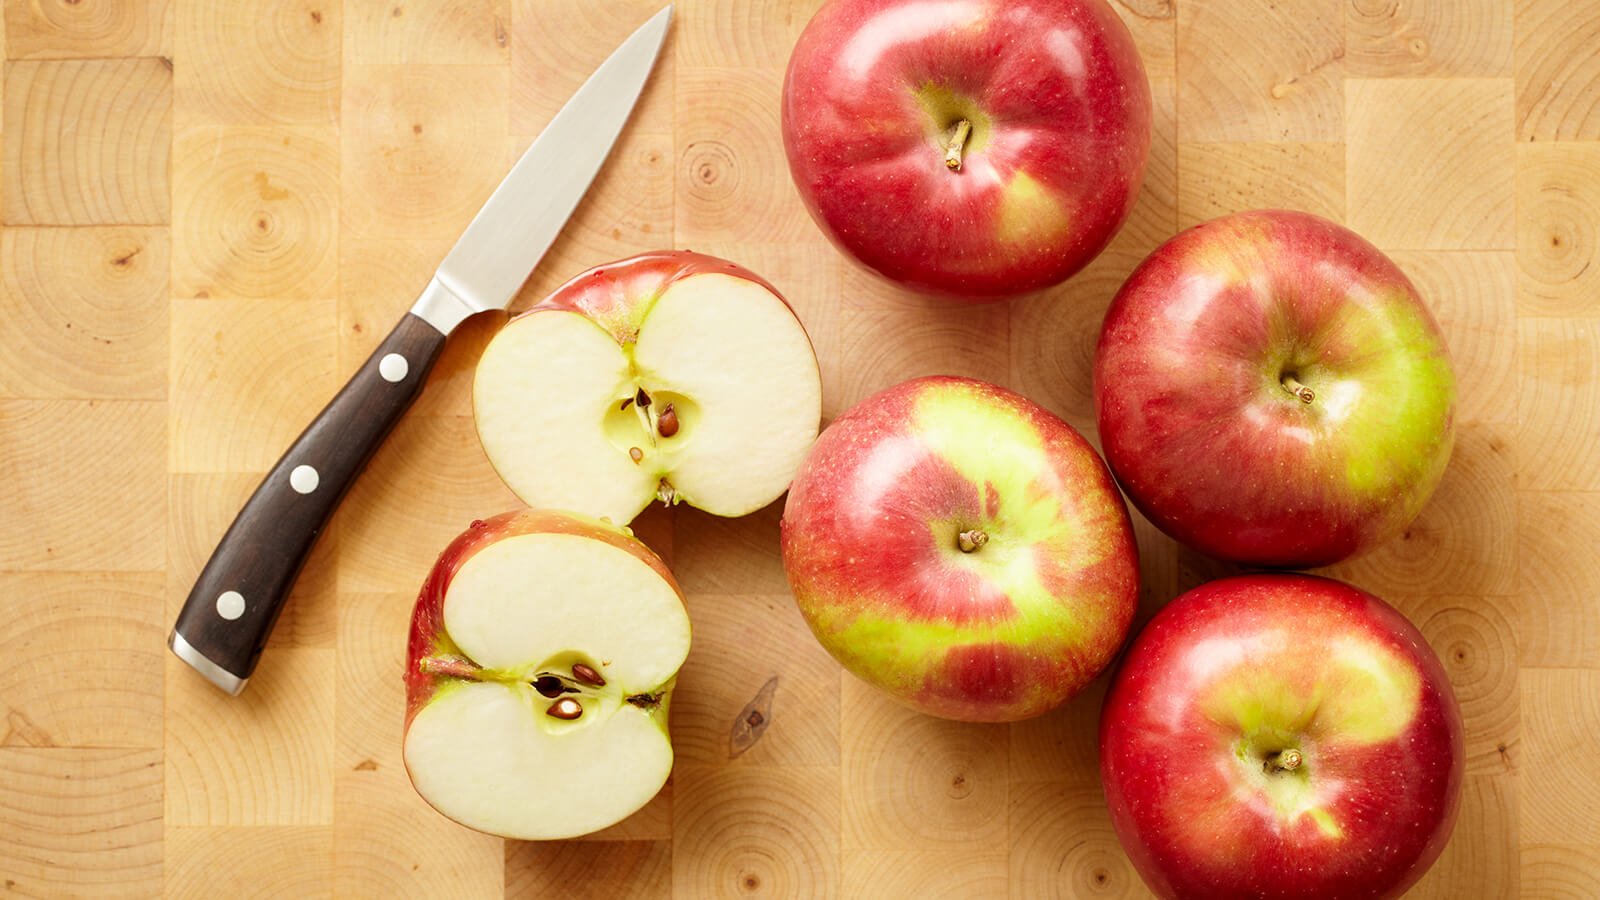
{"x":243,"y":587}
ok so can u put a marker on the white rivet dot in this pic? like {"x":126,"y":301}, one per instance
{"x":303,"y":479}
{"x":393,"y":367}
{"x":230,"y":605}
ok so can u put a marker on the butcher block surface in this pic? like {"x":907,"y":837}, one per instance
{"x":212,"y":211}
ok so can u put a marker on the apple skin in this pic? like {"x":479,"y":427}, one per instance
{"x":617,"y":295}
{"x":1060,"y":109}
{"x":427,"y":635}
{"x":870,"y":532}
{"x":1199,"y":425}
{"x":1247,"y":666}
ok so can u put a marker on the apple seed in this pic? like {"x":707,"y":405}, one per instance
{"x":625,"y":404}
{"x":587,"y":675}
{"x":565,"y":709}
{"x":642,"y":399}
{"x":549,"y":686}
{"x":667,"y":424}
{"x":635,"y":454}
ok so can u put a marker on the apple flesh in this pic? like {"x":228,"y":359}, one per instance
{"x":1271,"y":390}
{"x":962,"y":549}
{"x":1281,"y":736}
{"x":973,"y":149}
{"x":670,"y":375}
{"x":543,"y":650}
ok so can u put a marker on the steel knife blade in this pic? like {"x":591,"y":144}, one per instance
{"x":225,"y":622}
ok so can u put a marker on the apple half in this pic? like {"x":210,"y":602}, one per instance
{"x":543,"y":650}
{"x":670,"y":375}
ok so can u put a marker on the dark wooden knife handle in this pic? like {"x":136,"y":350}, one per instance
{"x":243,"y":587}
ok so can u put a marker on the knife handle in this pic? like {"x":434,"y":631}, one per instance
{"x":243,"y":587}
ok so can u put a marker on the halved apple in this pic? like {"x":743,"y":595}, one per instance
{"x":671,"y":375}
{"x":542,"y":655}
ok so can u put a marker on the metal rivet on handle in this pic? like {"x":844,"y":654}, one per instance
{"x":304,"y":479}
{"x":393,"y":367}
{"x":230,"y":605}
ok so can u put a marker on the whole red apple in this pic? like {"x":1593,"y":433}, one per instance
{"x":962,"y":549}
{"x":1281,"y":736}
{"x":1271,"y":390}
{"x":965,"y":148}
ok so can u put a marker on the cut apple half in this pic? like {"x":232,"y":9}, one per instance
{"x":544,"y":648}
{"x":672,"y":376}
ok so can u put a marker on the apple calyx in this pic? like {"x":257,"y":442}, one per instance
{"x":972,"y":539}
{"x":958,"y":143}
{"x":1285,"y":760}
{"x":1292,"y":385}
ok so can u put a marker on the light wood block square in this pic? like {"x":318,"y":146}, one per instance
{"x":427,"y":483}
{"x":264,"y":757}
{"x":1560,"y":772}
{"x":42,"y":29}
{"x":1288,"y":88}
{"x":916,"y":782}
{"x":1475,"y":638}
{"x":457,"y":32}
{"x":930,"y":874}
{"x":274,"y":62}
{"x":81,"y":822}
{"x":1558,"y":872}
{"x":86,"y":310}
{"x":1558,"y":229}
{"x":200,"y":508}
{"x":771,"y":830}
{"x":732,"y":176}
{"x":745,"y":33}
{"x":274,"y":861}
{"x":1472,"y":295}
{"x":557,"y":44}
{"x":1557,"y":70}
{"x":416,"y":161}
{"x":80,"y":660}
{"x":1464,"y":540}
{"x":588,"y":870}
{"x":913,"y":336}
{"x":1428,"y":164}
{"x":255,"y":213}
{"x":1481,"y":859}
{"x":389,"y":843}
{"x":1557,"y":532}
{"x":1558,"y":403}
{"x":64,"y":457}
{"x":1452,"y":38}
{"x":627,"y":210}
{"x":1063,"y":846}
{"x":1062,"y":745}
{"x":718,"y":555}
{"x":754,"y":653}
{"x":1155,"y":214}
{"x":1218,"y":179}
{"x":249,"y":375}
{"x":1154,"y":24}
{"x":86,"y":142}
{"x":371,"y":699}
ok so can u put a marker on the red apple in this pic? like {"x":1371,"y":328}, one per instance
{"x":543,"y":650}
{"x":1281,"y":736}
{"x":962,"y":549}
{"x":1271,"y":390}
{"x":670,"y":375}
{"x":966,"y":148}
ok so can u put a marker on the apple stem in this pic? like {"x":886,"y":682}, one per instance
{"x":1293,"y":386}
{"x":450,"y":666}
{"x":971,"y":539}
{"x":1285,"y":760}
{"x":958,"y":143}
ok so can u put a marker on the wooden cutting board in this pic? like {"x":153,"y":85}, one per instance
{"x":213,"y":210}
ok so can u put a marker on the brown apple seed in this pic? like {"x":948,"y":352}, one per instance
{"x":565,"y":709}
{"x":667,"y":425}
{"x":587,"y":675}
{"x":635,"y":454}
{"x":549,"y":686}
{"x":642,"y":399}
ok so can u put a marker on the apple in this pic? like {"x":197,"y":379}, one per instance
{"x":1281,"y":736}
{"x":971,"y":149}
{"x":1271,"y":390}
{"x":962,"y":549}
{"x":539,"y":670}
{"x":670,"y":375}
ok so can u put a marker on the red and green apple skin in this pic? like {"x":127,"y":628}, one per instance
{"x":1271,"y":390}
{"x":1059,"y":111}
{"x":872,"y":546}
{"x":1221,"y":684}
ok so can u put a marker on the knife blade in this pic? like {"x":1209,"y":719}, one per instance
{"x":229,"y":613}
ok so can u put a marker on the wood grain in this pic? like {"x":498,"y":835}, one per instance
{"x":212,"y":212}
